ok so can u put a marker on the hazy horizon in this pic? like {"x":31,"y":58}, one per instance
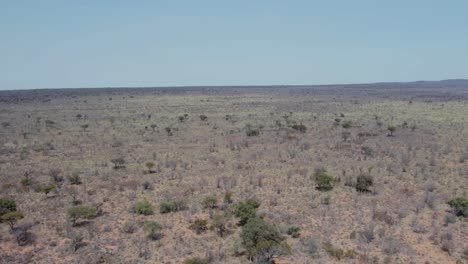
{"x":54,"y":44}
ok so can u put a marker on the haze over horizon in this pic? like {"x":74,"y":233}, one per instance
{"x":56,"y":44}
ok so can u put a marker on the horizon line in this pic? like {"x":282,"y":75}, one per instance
{"x":236,"y":86}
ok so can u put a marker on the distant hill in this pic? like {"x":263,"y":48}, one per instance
{"x":452,"y":89}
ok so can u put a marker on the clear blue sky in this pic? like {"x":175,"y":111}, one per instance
{"x":51,"y":44}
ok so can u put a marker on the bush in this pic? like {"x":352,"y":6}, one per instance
{"x":301,"y":128}
{"x":21,"y":233}
{"x":7,"y":206}
{"x":347,"y":124}
{"x":26,"y":182}
{"x":219,"y":224}
{"x":172,"y":206}
{"x":143,"y":208}
{"x":199,"y":226}
{"x":203,"y":117}
{"x":293,"y":231}
{"x":459,"y":206}
{"x":228,"y":197}
{"x":260,"y":238}
{"x":48,"y":188}
{"x":367,"y":151}
{"x":252,"y":132}
{"x":339,"y":253}
{"x":119,"y":163}
{"x":147,"y":186}
{"x":150,"y":165}
{"x":167,"y":207}
{"x":12,"y":218}
{"x":312,"y":247}
{"x":129,"y":227}
{"x":196,"y":261}
{"x":81,"y":212}
{"x":363,"y":182}
{"x":74,"y":179}
{"x":153,"y":230}
{"x":210,"y":201}
{"x":323,"y":180}
{"x":246,"y":210}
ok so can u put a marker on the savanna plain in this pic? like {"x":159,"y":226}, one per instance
{"x":374,"y":173}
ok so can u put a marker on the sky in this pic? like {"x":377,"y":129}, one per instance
{"x":60,"y":44}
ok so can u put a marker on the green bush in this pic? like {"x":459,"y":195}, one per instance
{"x":129,"y":227}
{"x":228,"y":197}
{"x":339,"y":253}
{"x":363,"y":182}
{"x":210,"y":201}
{"x":203,"y":117}
{"x":252,"y":132}
{"x":167,"y":207}
{"x":347,"y":124}
{"x":143,"y":208}
{"x":12,"y":218}
{"x":26,"y":182}
{"x":150,"y":165}
{"x":459,"y":206}
{"x":246,"y":210}
{"x":172,"y":206}
{"x":48,"y":188}
{"x":196,"y":261}
{"x":219,"y":224}
{"x":302,"y":128}
{"x":153,"y":230}
{"x":323,"y":180}
{"x":293,"y":231}
{"x":7,"y":206}
{"x":259,"y":237}
{"x":74,"y":179}
{"x":199,"y":226}
{"x":81,"y":212}
{"x":367,"y":151}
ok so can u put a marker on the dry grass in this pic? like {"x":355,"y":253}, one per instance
{"x":401,"y":220}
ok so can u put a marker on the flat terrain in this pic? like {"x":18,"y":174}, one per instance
{"x":184,"y":144}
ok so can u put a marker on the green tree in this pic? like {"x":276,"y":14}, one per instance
{"x":81,"y":212}
{"x":12,"y":218}
{"x":6,"y":206}
{"x":260,"y":238}
{"x":246,"y":210}
{"x":459,"y":206}
{"x":150,"y":166}
{"x":323,"y":180}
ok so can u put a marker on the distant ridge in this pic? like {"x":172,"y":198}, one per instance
{"x":447,"y":83}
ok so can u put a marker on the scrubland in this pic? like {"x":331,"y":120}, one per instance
{"x":159,"y":175}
